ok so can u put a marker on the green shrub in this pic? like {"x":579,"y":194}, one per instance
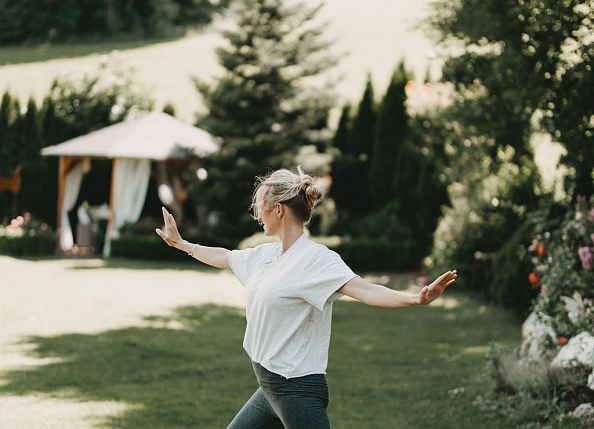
{"x":483,"y":217}
{"x":377,"y":255}
{"x":25,"y":236}
{"x":510,"y":269}
{"x":152,"y":247}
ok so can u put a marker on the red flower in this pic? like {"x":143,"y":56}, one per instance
{"x":541,"y":250}
{"x":533,"y":278}
{"x":562,"y":340}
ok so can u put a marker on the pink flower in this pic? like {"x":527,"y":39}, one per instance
{"x":586,"y":256}
{"x":27,"y":217}
{"x":20,"y":220}
{"x":592,"y":237}
{"x":591,"y":214}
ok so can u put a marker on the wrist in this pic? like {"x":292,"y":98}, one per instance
{"x":184,"y":246}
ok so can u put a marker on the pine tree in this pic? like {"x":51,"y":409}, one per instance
{"x":260,"y":107}
{"x":389,"y":137}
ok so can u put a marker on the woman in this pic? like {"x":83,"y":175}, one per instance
{"x":290,"y":286}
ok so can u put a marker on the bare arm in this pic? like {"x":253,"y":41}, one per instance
{"x":381,"y":296}
{"x":215,"y":256}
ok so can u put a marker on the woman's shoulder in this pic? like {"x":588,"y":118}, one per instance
{"x":317,"y":251}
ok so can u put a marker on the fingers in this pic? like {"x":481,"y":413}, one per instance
{"x":164,"y":237}
{"x":172,"y":223}
{"x":165,"y":216}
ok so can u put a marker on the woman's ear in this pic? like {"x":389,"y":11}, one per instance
{"x":280,"y":210}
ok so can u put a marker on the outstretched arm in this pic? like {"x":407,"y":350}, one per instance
{"x":381,"y":296}
{"x":215,"y":256}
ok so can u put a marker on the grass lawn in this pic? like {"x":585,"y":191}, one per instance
{"x":413,"y":368}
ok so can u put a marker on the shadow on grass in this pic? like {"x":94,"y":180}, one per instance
{"x":94,"y":263}
{"x":144,"y":264}
{"x":23,"y":54}
{"x":184,"y":371}
{"x":388,"y":369}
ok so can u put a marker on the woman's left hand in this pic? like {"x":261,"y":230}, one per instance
{"x":431,"y":292}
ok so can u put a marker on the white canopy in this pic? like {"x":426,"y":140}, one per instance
{"x":132,"y":145}
{"x":156,"y":136}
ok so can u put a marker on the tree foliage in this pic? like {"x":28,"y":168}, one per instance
{"x":389,"y":182}
{"x":261,"y":107}
{"x":32,"y":20}
{"x":523,"y":60}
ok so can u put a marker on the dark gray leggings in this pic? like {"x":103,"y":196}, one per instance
{"x":294,"y":403}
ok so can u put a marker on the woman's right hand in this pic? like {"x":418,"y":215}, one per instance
{"x":169,"y":234}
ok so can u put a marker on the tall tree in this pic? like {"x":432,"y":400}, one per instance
{"x":261,"y":107}
{"x":350,"y":170}
{"x":343,"y":130}
{"x":522,"y":57}
{"x":34,"y":168}
{"x":390,"y":134}
{"x":8,"y":153}
{"x":361,"y":142}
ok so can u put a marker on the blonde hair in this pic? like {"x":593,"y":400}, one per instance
{"x":296,"y":190}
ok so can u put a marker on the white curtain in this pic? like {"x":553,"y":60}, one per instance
{"x":71,"y":189}
{"x":131,"y":178}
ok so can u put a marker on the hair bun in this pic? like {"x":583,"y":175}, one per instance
{"x":313,"y":192}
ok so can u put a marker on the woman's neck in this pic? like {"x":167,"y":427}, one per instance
{"x":288,"y":235}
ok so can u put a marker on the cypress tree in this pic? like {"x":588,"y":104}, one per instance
{"x":260,"y":107}
{"x":9,"y":116}
{"x":34,"y":194}
{"x":390,"y":134}
{"x":361,"y":140}
{"x":343,"y":129}
{"x":350,"y":170}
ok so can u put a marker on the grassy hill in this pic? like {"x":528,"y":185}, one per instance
{"x":373,"y":39}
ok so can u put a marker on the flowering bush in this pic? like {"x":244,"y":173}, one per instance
{"x":25,"y":236}
{"x":563,"y":259}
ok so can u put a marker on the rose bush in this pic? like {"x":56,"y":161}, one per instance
{"x":563,"y":259}
{"x":26,"y":236}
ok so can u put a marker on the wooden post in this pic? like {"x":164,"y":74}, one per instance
{"x":64,"y":161}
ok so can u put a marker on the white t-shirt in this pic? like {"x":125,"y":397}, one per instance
{"x":289,"y":303}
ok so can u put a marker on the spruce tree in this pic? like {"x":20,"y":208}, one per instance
{"x":389,"y":137}
{"x":260,"y":107}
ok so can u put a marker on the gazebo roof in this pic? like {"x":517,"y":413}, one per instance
{"x":156,"y":136}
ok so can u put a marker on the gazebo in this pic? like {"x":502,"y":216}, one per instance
{"x":131,"y":145}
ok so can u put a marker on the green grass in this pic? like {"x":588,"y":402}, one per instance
{"x":23,"y":54}
{"x":413,"y":368}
